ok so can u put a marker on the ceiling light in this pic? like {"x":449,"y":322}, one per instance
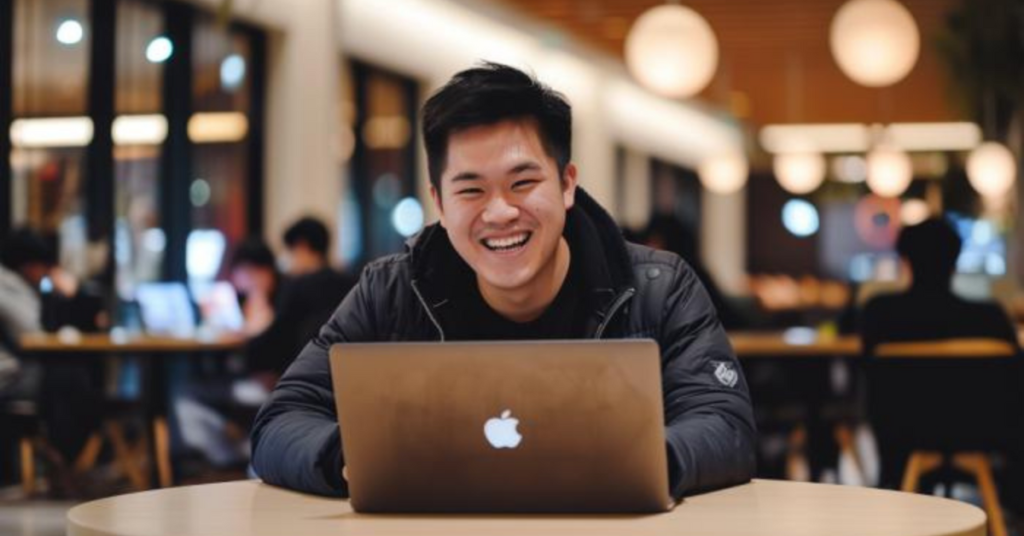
{"x":875,"y":42}
{"x":991,"y":169}
{"x":889,"y":171}
{"x":724,"y":173}
{"x":672,"y":51}
{"x":70,"y":32}
{"x":799,"y":173}
{"x":159,"y":49}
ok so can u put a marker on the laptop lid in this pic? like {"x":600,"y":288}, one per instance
{"x":517,"y":426}
{"x":166,"y":309}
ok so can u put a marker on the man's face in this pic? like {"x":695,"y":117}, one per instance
{"x":503,"y":204}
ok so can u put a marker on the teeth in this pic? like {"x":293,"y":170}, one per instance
{"x":507,"y":242}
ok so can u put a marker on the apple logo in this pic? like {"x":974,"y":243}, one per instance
{"x":501,"y":431}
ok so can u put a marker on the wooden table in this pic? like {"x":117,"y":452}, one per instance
{"x":155,"y":391}
{"x":106,"y":344}
{"x":752,"y":344}
{"x":764,"y":507}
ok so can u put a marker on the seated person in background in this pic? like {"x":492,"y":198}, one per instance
{"x":520,"y":253}
{"x":70,"y":390}
{"x":20,"y":312}
{"x":308,"y":297}
{"x":929,"y":310}
{"x":256,"y":280}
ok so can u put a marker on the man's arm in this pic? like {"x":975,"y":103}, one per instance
{"x":709,"y":420}
{"x":295,"y":438}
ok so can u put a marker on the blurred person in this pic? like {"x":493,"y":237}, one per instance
{"x":929,"y":309}
{"x":308,"y":297}
{"x":257,"y":281}
{"x":69,"y":392}
{"x":520,"y":253}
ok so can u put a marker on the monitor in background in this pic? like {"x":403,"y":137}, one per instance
{"x":166,"y":309}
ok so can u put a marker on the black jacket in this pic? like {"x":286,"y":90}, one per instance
{"x":636,"y":292}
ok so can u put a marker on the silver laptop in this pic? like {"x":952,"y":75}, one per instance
{"x":528,"y":426}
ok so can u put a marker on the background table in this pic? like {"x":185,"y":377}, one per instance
{"x":764,"y":507}
{"x":154,"y":378}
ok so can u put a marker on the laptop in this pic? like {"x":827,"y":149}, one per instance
{"x":516,"y":426}
{"x":166,"y":309}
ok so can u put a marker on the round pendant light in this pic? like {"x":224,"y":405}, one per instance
{"x":799,"y":173}
{"x":991,"y":169}
{"x":889,"y":171}
{"x":725,"y":173}
{"x":875,"y":42}
{"x":671,"y":50}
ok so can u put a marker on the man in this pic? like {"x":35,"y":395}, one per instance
{"x":929,"y":310}
{"x":520,"y":253}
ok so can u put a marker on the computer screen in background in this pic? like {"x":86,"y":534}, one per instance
{"x":166,"y":309}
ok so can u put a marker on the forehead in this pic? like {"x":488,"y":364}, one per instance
{"x":485,"y":146}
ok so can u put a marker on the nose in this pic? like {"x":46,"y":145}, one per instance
{"x":499,"y":211}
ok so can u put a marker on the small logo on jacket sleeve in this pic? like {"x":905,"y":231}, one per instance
{"x":726,"y":374}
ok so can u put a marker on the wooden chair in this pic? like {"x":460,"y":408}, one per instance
{"x":949,"y":404}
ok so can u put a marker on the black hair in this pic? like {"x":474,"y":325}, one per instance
{"x":23,"y":246}
{"x":932,"y":248}
{"x":488,"y":94}
{"x":310,"y":231}
{"x":253,"y":251}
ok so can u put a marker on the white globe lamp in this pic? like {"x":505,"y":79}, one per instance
{"x":991,"y":169}
{"x":875,"y":42}
{"x":671,"y":50}
{"x":799,"y":172}
{"x":889,"y":171}
{"x":725,"y":173}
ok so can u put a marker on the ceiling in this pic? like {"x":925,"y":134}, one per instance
{"x":774,"y":60}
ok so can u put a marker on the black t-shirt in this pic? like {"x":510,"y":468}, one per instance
{"x":471,"y":318}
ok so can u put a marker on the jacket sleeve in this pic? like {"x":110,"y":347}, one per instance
{"x":710,"y":430}
{"x":296,"y":442}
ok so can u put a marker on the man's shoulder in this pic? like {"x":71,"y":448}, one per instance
{"x":650,"y":264}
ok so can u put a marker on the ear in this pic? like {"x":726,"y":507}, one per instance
{"x":436,"y":196}
{"x":569,"y":182}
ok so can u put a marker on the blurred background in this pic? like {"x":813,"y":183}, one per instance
{"x":157,"y":157}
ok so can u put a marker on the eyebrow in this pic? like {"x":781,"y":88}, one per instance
{"x":466,"y":176}
{"x":525,"y":166}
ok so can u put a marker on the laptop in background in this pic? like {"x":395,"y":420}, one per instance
{"x":517,"y":426}
{"x":166,"y":309}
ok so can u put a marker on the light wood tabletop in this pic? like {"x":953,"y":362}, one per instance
{"x":763,"y":507}
{"x":107,"y":343}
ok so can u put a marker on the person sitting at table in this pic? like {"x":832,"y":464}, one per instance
{"x":929,"y":309}
{"x":254,"y":275}
{"x":68,"y":389}
{"x":520,"y":253}
{"x":308,"y":297}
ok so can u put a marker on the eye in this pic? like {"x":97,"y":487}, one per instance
{"x":469,"y":192}
{"x":524,"y":184}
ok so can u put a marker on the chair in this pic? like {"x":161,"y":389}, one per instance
{"x":949,"y":404}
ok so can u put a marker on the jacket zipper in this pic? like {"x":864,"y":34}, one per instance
{"x":430,"y":313}
{"x":616,"y":305}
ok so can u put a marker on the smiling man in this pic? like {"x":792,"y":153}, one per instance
{"x":520,"y":253}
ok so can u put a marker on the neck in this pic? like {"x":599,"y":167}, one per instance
{"x":529,"y":302}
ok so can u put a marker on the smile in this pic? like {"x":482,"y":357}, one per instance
{"x":508,"y":243}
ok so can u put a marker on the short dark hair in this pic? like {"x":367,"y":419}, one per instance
{"x":932,"y":247}
{"x":488,"y":94}
{"x":253,"y":251}
{"x":310,"y":231}
{"x":23,"y":246}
